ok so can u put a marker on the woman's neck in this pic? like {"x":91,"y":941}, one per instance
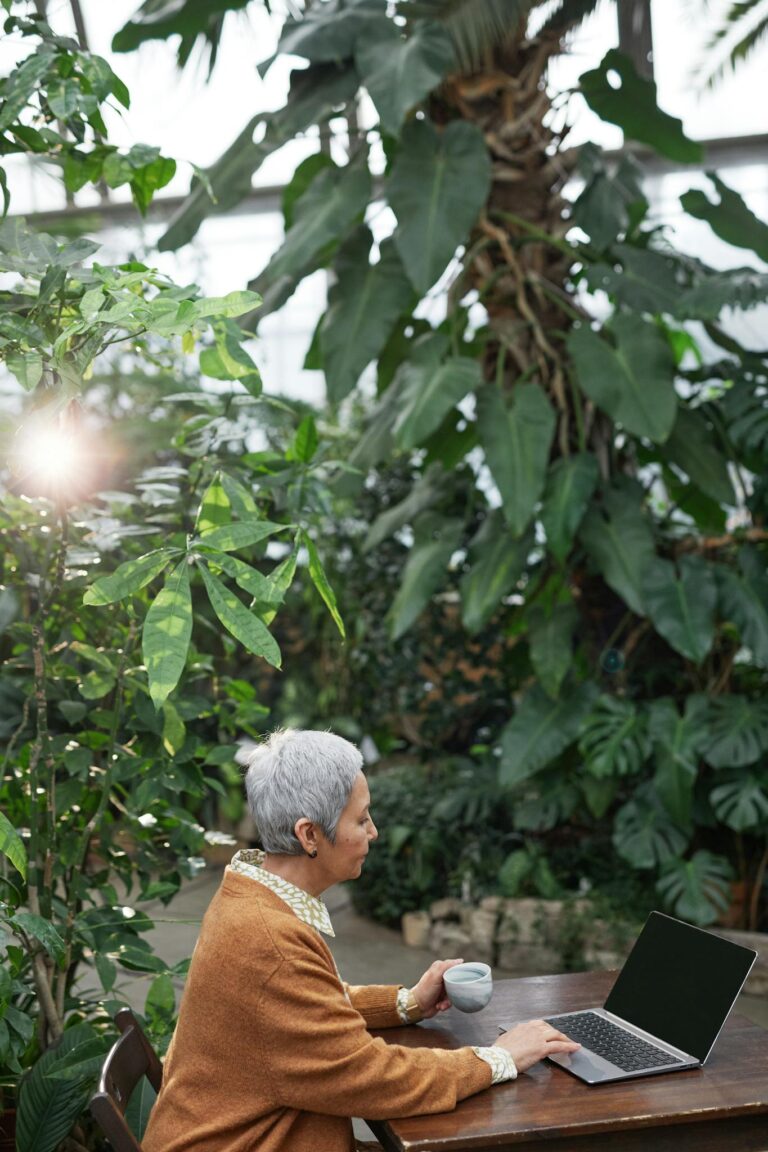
{"x":301,"y":871}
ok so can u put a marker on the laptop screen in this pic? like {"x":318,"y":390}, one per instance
{"x":679,"y":983}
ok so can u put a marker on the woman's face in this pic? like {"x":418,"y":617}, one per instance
{"x":354,"y":833}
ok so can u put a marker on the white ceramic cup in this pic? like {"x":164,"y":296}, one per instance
{"x":469,"y":986}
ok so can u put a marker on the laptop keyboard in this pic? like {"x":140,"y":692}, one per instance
{"x":613,"y":1043}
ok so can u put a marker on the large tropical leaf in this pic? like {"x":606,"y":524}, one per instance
{"x":364,"y":302}
{"x":677,"y":745}
{"x":745,"y":408}
{"x":246,"y":627}
{"x":691,"y":446}
{"x":737,"y":731}
{"x":12,"y":845}
{"x":540,"y":730}
{"x":424,"y":573}
{"x":399,"y":72}
{"x":439,"y":182}
{"x":732,"y":288}
{"x":729,"y":218}
{"x":497,"y":560}
{"x":188,"y":19}
{"x":680,"y":600}
{"x":166,"y":634}
{"x":571,"y":482}
{"x":610,"y":200}
{"x":129,"y":577}
{"x":744,"y":600}
{"x":315,"y":93}
{"x":326,"y":213}
{"x":550,"y":637}
{"x":742,"y":803}
{"x":516,"y":441}
{"x":640,"y":278}
{"x":49,"y":1107}
{"x":614,"y":739}
{"x":327,"y":33}
{"x":616,"y":92}
{"x":633,"y":382}
{"x":428,"y":393}
{"x":644,"y":834}
{"x":619,"y":541}
{"x":697,"y":889}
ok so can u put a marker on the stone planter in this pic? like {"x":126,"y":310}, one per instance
{"x":416,"y":927}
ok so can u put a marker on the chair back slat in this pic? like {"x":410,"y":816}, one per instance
{"x":130,"y":1058}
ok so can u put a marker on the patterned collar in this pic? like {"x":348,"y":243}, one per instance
{"x":309,"y":909}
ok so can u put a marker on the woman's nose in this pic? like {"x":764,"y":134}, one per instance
{"x":374,"y":832}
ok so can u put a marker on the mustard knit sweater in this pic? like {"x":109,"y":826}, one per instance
{"x":269,"y":1055}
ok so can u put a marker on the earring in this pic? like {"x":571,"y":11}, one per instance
{"x":312,"y":854}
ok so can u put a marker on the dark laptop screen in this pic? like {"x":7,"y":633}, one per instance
{"x":679,"y":983}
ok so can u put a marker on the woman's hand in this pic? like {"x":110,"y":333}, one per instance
{"x":430,"y":990}
{"x":527,"y":1043}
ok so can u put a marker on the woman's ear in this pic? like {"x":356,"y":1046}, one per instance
{"x":306,"y":834}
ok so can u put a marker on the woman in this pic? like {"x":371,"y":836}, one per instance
{"x":272,"y":1051}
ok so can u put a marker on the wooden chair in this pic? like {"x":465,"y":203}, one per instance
{"x":129,"y":1059}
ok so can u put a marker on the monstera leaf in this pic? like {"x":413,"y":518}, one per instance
{"x":540,"y":730}
{"x":643,"y":833}
{"x":614,"y":740}
{"x":742,"y":803}
{"x":697,"y":889}
{"x":737,"y":731}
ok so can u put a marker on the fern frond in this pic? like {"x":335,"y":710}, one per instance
{"x":743,"y":28}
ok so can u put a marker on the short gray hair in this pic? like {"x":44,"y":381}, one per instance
{"x":295,"y":774}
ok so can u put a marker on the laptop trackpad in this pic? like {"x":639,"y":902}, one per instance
{"x":587,"y":1065}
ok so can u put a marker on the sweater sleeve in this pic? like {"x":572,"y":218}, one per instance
{"x":376,"y":1003}
{"x":323,"y":1059}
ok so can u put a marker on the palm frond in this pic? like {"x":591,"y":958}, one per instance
{"x":476,"y":27}
{"x":569,"y":14}
{"x":743,"y":28}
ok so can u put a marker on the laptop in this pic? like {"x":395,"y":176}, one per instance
{"x":666,"y":1009}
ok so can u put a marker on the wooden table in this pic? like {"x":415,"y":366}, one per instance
{"x":722,"y":1107}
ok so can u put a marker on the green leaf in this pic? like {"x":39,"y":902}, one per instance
{"x":48,"y":1108}
{"x":699,"y":889}
{"x":314,"y":94}
{"x":130,"y":577}
{"x":215,"y":509}
{"x":424,"y":572}
{"x":429,"y":392}
{"x":399,"y":73}
{"x":737,"y":731}
{"x":571,"y":482}
{"x":43,"y":931}
{"x":680,"y":600}
{"x":677,"y":744}
{"x":691,"y":447}
{"x":609,"y":201}
{"x":734,"y":288}
{"x":330,"y":31}
{"x":305,"y":442}
{"x":334,"y":202}
{"x":300,"y":181}
{"x":12,"y":845}
{"x":439,"y":182}
{"x":742,"y":804}
{"x":540,"y":730}
{"x":106,"y":970}
{"x":364,"y":303}
{"x":643,"y":833}
{"x":618,"y":539}
{"x":140,"y":1106}
{"x":174,"y":730}
{"x":244,"y":625}
{"x":640,"y":278}
{"x":167,"y":632}
{"x":27,"y":367}
{"x":632,"y":104}
{"x":550,"y":636}
{"x":729,"y":218}
{"x":516,"y":442}
{"x":320,"y":581}
{"x":744,"y":600}
{"x":280,"y":580}
{"x":243,"y":534}
{"x":96,"y":684}
{"x":613,"y":740}
{"x":497,"y":561}
{"x":249,"y":579}
{"x":633,"y":383}
{"x":228,"y":360}
{"x":160,"y":1004}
